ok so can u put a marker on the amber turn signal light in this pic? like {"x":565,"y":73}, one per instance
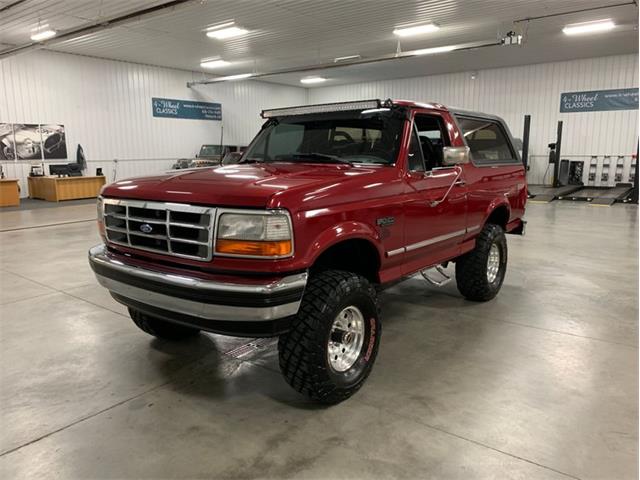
{"x":259,"y":249}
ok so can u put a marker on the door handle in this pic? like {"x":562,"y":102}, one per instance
{"x":460,"y":183}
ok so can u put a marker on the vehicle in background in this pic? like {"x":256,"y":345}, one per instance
{"x":328,"y":205}
{"x":209,"y":156}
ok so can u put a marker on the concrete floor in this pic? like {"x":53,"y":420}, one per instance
{"x":541,"y":382}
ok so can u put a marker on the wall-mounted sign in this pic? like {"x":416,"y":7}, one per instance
{"x":172,"y":108}
{"x":599,"y":100}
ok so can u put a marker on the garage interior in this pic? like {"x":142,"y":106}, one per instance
{"x":540,"y":382}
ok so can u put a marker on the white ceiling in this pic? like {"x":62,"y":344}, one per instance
{"x":286,"y":34}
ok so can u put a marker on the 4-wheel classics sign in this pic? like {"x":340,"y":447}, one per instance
{"x":189,"y":109}
{"x":599,"y":100}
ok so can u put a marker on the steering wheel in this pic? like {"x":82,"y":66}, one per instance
{"x":345,"y":135}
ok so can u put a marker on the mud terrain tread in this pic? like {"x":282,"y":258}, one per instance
{"x":471,"y":268}
{"x":302,"y":351}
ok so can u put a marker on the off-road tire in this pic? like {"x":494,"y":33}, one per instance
{"x":471,"y":268}
{"x":161,"y":328}
{"x":303,"y":350}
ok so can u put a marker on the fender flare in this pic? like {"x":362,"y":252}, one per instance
{"x":493,"y":206}
{"x":349,"y":230}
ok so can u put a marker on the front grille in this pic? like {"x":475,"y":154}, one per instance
{"x":176,"y":229}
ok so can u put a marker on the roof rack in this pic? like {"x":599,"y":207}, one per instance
{"x":326,"y":107}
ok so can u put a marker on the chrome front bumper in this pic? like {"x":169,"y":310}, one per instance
{"x":195,"y":298}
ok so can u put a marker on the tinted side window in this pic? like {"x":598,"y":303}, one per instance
{"x":486,"y":140}
{"x":415,"y":160}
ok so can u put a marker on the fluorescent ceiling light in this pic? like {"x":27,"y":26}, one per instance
{"x":416,"y":30}
{"x":431,"y":51}
{"x":348,"y":57}
{"x":213,"y":63}
{"x":226,"y":30}
{"x":589,"y":27}
{"x":43,"y":35}
{"x":313,"y":80}
{"x":239,"y":76}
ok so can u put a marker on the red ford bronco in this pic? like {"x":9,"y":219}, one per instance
{"x":329,"y":204}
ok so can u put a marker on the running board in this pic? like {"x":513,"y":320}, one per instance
{"x":436,"y":283}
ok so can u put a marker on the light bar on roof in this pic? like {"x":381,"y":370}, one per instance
{"x":322,"y":108}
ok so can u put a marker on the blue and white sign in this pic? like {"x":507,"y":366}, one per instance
{"x":190,"y":109}
{"x":599,"y":100}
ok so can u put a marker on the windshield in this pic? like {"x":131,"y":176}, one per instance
{"x":210,"y":150}
{"x":341,"y":137}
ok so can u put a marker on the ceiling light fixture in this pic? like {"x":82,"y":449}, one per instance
{"x":238,"y":76}
{"x":346,"y":58}
{"x":226,"y":30}
{"x":43,"y":33}
{"x":313,"y":80}
{"x":416,"y":30}
{"x":589,"y":27}
{"x":213,"y":63}
{"x":431,"y":51}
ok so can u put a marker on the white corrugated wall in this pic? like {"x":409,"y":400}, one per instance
{"x":106,"y":107}
{"x":533,"y":89}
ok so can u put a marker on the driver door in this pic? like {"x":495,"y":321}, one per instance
{"x":436,"y":205}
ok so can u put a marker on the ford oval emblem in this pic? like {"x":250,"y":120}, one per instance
{"x":146,"y":228}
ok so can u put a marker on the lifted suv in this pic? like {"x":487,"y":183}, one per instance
{"x":329,"y":204}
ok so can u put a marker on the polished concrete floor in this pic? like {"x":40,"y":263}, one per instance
{"x":541,"y":382}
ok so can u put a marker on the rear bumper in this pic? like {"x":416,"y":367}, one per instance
{"x":231,"y":308}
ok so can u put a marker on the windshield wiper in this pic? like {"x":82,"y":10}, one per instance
{"x":321,"y":156}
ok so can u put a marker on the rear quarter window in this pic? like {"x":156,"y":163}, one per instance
{"x":487,"y":141}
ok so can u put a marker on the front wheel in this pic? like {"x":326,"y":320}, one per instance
{"x":332,"y":346}
{"x":480,"y":273}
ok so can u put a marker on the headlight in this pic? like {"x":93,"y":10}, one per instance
{"x":263,"y":235}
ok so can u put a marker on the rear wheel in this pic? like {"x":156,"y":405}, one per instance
{"x":161,"y":328}
{"x":480,"y":273}
{"x":332,"y":346}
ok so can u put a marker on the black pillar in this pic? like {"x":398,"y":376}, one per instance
{"x":556,"y":166}
{"x":634,"y":193}
{"x":525,"y":141}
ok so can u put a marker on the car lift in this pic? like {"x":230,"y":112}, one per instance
{"x":557,"y":190}
{"x":605,"y":196}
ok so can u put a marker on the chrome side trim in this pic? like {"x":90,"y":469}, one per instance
{"x":197,"y":309}
{"x":431,"y":241}
{"x":98,"y":255}
{"x":424,"y":243}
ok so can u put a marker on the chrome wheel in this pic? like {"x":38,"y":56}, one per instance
{"x":346,"y":339}
{"x":493,"y":263}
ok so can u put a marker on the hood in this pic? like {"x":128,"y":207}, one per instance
{"x":236,"y":185}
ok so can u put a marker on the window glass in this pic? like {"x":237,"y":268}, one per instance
{"x":415,"y":159}
{"x":486,"y":140}
{"x":432,"y":139}
{"x":332,"y":137}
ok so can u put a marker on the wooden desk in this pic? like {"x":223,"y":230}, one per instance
{"x":9,"y":192}
{"x":54,"y":189}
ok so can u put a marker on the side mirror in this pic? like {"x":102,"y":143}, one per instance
{"x":455,"y":156}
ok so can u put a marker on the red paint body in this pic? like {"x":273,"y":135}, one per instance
{"x":330,"y":203}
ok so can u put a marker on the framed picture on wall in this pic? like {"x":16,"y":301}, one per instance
{"x":27,"y":141}
{"x":54,"y":146}
{"x":7,"y":145}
